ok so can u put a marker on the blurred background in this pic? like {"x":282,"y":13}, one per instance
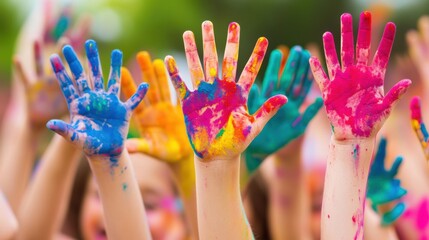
{"x":157,"y":26}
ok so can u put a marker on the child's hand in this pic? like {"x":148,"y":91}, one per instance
{"x":218,"y":123}
{"x":289,"y":123}
{"x":160,"y":123}
{"x":99,"y":120}
{"x":43,"y":95}
{"x":418,"y":45}
{"x":353,"y":93}
{"x":418,"y":125}
{"x":383,"y":187}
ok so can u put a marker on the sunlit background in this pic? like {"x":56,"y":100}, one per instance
{"x":157,"y":26}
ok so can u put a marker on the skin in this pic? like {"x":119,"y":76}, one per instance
{"x":219,"y":127}
{"x":98,"y":126}
{"x":165,"y":216}
{"x":162,"y":129}
{"x":356,"y":108}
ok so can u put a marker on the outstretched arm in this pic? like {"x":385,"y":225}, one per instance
{"x":220,"y":128}
{"x":162,"y":131}
{"x":99,"y":124}
{"x":357,"y":108}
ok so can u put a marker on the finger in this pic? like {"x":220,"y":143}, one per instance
{"x":114,"y":83}
{"x":65,"y":130}
{"x":137,"y":145}
{"x":129,"y":87}
{"x":290,"y":73}
{"x":253,"y":65}
{"x":285,"y":52}
{"x":145,"y":63}
{"x":94,"y":64}
{"x":417,"y":122}
{"x":423,"y":25}
{"x":229,"y":66}
{"x":62,"y":24}
{"x":271,"y":77}
{"x":64,"y":80}
{"x":161,"y":75}
{"x":194,"y":63}
{"x":138,"y":96}
{"x":308,"y":114}
{"x":347,"y":41}
{"x":318,"y":73}
{"x":305,"y":87}
{"x":382,"y":55}
{"x":38,"y":59}
{"x":380,"y":156}
{"x":181,"y":89}
{"x":266,"y":112}
{"x":330,"y":54}
{"x":210,"y":53}
{"x":76,"y":69}
{"x":395,"y":166}
{"x":416,"y":49}
{"x":19,"y":69}
{"x":364,"y":38}
{"x":301,"y":77}
{"x":252,"y":102}
{"x":396,"y":93}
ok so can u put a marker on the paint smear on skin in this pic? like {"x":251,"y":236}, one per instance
{"x":417,"y":122}
{"x":124,"y":187}
{"x":358,"y":219}
{"x":419,"y":215}
{"x":61,"y":26}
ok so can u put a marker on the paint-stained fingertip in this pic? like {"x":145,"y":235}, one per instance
{"x":142,"y":89}
{"x":261,"y":46}
{"x":207,"y":24}
{"x":415,"y":107}
{"x":346,"y":17}
{"x":116,"y":58}
{"x":91,"y":48}
{"x":233,"y":26}
{"x":57,"y":64}
{"x":188,"y":35}
{"x":73,"y":61}
{"x":365,"y":16}
{"x":327,"y":36}
{"x":170,"y":63}
{"x":389,"y":31}
{"x":144,"y":60}
{"x":275,"y":102}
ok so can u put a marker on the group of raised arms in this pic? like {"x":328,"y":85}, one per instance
{"x":214,"y":155}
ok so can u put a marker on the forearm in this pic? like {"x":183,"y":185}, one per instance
{"x":220,"y":210}
{"x":289,"y":207}
{"x":49,"y":192}
{"x":184,"y":173}
{"x":8,"y":222}
{"x":124,"y":212}
{"x":345,"y":189}
{"x":17,"y":155}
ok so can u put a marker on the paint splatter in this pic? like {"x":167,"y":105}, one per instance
{"x":419,"y":215}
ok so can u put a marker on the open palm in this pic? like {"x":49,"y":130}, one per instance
{"x":216,"y":116}
{"x":99,"y":120}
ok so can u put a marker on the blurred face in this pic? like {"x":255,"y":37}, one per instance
{"x":163,"y":207}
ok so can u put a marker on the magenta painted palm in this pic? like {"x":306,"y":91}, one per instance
{"x":354,"y":92}
{"x":218,"y":123}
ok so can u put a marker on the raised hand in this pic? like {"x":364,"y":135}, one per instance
{"x":43,"y":95}
{"x":418,"y":42}
{"x":289,"y":123}
{"x":217,"y":120}
{"x":98,"y":119}
{"x":418,"y":125}
{"x":383,"y":187}
{"x":160,"y":123}
{"x":353,"y":92}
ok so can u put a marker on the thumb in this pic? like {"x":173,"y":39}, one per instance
{"x":64,"y":129}
{"x":267,"y":111}
{"x":396,"y":93}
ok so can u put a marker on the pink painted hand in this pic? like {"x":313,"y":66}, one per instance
{"x":218,"y":123}
{"x":160,"y":123}
{"x":353,"y":93}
